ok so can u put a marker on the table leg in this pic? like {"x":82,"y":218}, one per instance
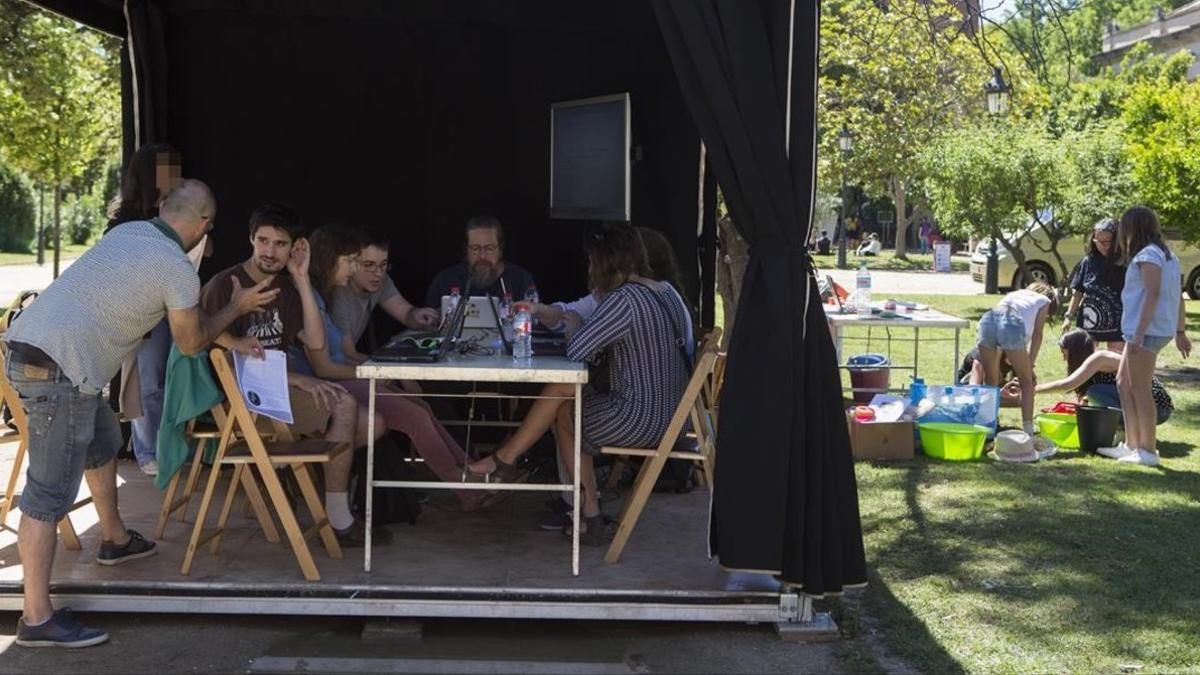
{"x":837,"y":341}
{"x":916,"y":352}
{"x":370,"y":470}
{"x":957,"y":356}
{"x":575,"y":480}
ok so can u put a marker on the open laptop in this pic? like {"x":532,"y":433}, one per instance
{"x":544,"y":343}
{"x":424,"y":347}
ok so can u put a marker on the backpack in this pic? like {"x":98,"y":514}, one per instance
{"x":389,"y":505}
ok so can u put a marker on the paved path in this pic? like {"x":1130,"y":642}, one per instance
{"x":885,"y":282}
{"x":17,"y":278}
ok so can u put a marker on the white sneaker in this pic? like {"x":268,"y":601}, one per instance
{"x":149,"y":468}
{"x":1140,"y":456}
{"x":1115,"y":452}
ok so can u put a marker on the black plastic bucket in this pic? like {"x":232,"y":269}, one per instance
{"x":1097,"y":427}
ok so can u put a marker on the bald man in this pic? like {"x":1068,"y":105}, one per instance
{"x":64,"y":348}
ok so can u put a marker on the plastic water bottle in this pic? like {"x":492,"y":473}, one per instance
{"x":451,"y":304}
{"x":917,"y":391}
{"x":531,"y":295}
{"x":522,"y":333}
{"x":862,"y":294}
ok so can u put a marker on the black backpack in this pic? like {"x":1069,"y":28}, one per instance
{"x":389,"y":505}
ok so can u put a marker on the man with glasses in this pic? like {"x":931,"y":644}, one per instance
{"x":371,"y":287}
{"x":64,"y":348}
{"x":485,"y":267}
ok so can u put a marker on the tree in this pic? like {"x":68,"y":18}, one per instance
{"x":897,"y":77}
{"x":17,"y":220}
{"x":974,"y":186}
{"x":59,"y":99}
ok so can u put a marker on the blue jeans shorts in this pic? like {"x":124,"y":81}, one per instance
{"x":1154,"y":343}
{"x":68,"y":432}
{"x":1001,"y":329}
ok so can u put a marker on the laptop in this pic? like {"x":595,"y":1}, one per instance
{"x":425,"y":346}
{"x":543,"y":342}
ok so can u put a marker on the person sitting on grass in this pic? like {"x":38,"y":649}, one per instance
{"x":1013,"y":330}
{"x":638,"y":328}
{"x":871,"y":246}
{"x":1092,"y":375}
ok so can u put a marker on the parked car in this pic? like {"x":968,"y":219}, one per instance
{"x":1042,"y":266}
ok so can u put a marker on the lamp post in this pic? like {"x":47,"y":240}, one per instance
{"x":846,"y":145}
{"x":997,"y":104}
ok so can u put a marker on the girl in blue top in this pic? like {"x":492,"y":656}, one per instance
{"x":1153,"y":314}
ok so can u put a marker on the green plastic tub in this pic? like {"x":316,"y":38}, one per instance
{"x":1060,"y":428}
{"x":953,"y":442}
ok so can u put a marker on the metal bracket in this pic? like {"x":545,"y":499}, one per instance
{"x":798,"y":622}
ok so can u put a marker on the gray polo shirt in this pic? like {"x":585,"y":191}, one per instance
{"x":96,"y":313}
{"x":352,"y":310}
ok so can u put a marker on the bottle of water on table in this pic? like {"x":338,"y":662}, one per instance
{"x":531,"y":295}
{"x":506,"y":308}
{"x":522,"y":333}
{"x":862,"y":294}
{"x":451,"y":304}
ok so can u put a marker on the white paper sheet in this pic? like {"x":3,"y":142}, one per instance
{"x":264,"y":384}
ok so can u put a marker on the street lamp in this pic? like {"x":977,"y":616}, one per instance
{"x":846,"y":145}
{"x":997,"y":103}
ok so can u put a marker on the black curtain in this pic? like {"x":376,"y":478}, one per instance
{"x":785,"y":499}
{"x":145,"y":38}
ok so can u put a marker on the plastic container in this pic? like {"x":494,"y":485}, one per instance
{"x":866,"y":373}
{"x":916,"y":392}
{"x":862,"y":293}
{"x":1059,"y":428}
{"x":1097,"y":427}
{"x":953,"y":442}
{"x":522,"y":333}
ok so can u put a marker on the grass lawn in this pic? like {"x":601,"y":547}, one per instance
{"x":887,"y":260}
{"x":69,"y":252}
{"x":1074,"y":564}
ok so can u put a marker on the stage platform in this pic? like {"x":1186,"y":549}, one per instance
{"x":494,"y":563}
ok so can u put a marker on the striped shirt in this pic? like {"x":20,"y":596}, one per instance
{"x":96,"y":313}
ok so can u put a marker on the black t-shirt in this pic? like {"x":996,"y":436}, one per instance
{"x":516,"y":281}
{"x":1101,"y":283}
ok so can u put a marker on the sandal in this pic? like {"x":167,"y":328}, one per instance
{"x":596,"y":533}
{"x":503,"y":473}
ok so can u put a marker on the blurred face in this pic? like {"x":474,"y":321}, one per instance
{"x":483,"y":256}
{"x":346,"y":267}
{"x":168,"y":174}
{"x":1104,"y":241}
{"x":272,"y":249}
{"x":372,"y":269}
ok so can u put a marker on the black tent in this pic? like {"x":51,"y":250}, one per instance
{"x":413,"y":116}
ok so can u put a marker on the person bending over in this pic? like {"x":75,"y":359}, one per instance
{"x":1014,"y":329}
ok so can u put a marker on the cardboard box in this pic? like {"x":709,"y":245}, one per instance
{"x":881,"y":440}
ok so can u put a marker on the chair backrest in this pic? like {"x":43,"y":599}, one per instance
{"x":691,"y":394}
{"x":8,"y":394}
{"x":239,"y":420}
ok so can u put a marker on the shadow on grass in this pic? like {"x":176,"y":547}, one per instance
{"x":1048,"y":557}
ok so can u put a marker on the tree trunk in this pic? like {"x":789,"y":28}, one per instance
{"x":1018,"y":256}
{"x":731,"y":268}
{"x":41,"y":226}
{"x":899,"y":196}
{"x":57,"y":224}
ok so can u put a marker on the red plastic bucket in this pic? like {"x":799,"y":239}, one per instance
{"x":866,"y":372}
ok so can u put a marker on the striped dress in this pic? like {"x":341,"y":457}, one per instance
{"x":637,"y":333}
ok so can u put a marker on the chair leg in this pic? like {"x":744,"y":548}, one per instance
{"x":259,"y":505}
{"x":234,"y":484}
{"x":168,"y":505}
{"x":213,"y":476}
{"x":614,"y":476}
{"x":288,"y":518}
{"x":651,"y":467}
{"x":66,"y":530}
{"x":320,"y":519}
{"x":193,"y":478}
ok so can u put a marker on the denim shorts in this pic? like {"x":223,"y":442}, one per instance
{"x":68,"y":432}
{"x":1154,"y":343}
{"x":1002,"y":329}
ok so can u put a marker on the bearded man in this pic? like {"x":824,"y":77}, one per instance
{"x":484,"y":266}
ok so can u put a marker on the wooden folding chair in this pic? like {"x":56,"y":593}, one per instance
{"x":655,"y":458}
{"x":707,"y":412}
{"x":254,"y":452}
{"x":201,"y":433}
{"x":9,"y":394}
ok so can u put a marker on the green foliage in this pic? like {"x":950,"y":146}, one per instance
{"x":18,"y":219}
{"x":973,"y":183}
{"x":1162,"y":124}
{"x":1099,"y":180}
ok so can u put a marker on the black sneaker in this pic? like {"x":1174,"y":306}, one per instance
{"x":555,"y":522}
{"x":355,"y":536}
{"x":62,"y":631}
{"x":137,"y":547}
{"x":557,"y":505}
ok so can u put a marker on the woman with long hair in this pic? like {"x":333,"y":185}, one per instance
{"x":1153,"y":314}
{"x":638,"y":328}
{"x":153,"y":171}
{"x":1092,"y":376}
{"x":335,"y":250}
{"x":1096,"y":287}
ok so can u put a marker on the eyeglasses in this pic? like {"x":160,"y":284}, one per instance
{"x":212,"y":222}
{"x":372,"y":266}
{"x":477,"y":249}
{"x":1102,"y":240}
